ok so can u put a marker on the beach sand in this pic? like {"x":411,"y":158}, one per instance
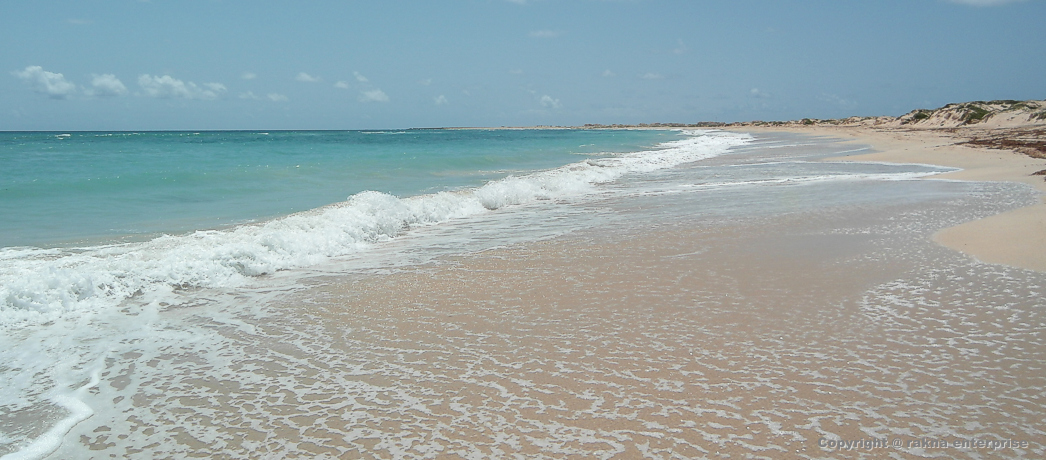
{"x":671,"y":334}
{"x":1016,"y":238}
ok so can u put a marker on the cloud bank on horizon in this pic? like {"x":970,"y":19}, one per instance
{"x":514,"y":62}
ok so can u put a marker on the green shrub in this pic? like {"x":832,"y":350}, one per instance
{"x":974,"y":114}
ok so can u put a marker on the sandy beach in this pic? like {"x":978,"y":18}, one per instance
{"x":678,"y":328}
{"x":528,"y":230}
{"x":1016,"y":238}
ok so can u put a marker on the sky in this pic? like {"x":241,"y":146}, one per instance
{"x":229,"y":64}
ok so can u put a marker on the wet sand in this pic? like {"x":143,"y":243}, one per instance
{"x":1016,"y":238}
{"x":703,"y":341}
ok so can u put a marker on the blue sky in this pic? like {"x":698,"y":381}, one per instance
{"x":221,"y":64}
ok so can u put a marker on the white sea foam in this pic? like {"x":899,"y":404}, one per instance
{"x":40,"y":285}
{"x":817,"y":178}
{"x":78,"y":411}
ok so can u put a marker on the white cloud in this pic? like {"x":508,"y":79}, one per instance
{"x":544,"y":34}
{"x":167,"y":87}
{"x":984,"y":2}
{"x":249,"y":95}
{"x":608,"y":73}
{"x":304,"y":77}
{"x":548,"y":101}
{"x":276,"y":97}
{"x":516,"y":71}
{"x":215,"y":87}
{"x":106,"y":85}
{"x":440,"y":100}
{"x":52,"y":84}
{"x":374,"y":95}
{"x":342,"y":84}
{"x":425,"y":82}
{"x":249,"y":76}
{"x":360,"y":78}
{"x":757,"y":93}
{"x":680,"y":47}
{"x":651,"y":76}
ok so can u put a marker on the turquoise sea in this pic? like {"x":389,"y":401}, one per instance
{"x":64,"y":189}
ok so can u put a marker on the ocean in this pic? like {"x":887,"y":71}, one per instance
{"x":65,"y":189}
{"x":338,"y":294}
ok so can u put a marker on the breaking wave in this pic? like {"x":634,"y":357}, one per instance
{"x":39,"y":285}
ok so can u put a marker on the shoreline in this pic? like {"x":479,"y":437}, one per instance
{"x":671,"y":331}
{"x":1015,"y":238}
{"x":727,"y":323}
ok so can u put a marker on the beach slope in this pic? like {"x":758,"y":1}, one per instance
{"x":987,"y":141}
